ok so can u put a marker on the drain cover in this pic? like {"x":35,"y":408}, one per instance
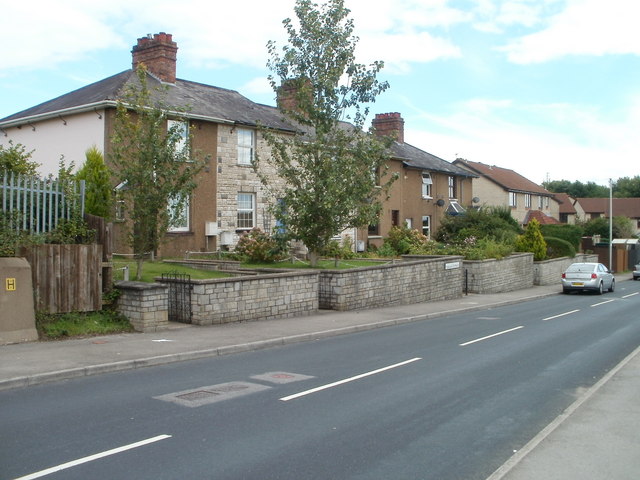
{"x":210,"y":394}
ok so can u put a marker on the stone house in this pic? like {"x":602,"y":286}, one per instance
{"x":229,"y":198}
{"x":496,"y":186}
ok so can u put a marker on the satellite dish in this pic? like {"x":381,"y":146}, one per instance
{"x":440,"y":203}
{"x":475,"y":200}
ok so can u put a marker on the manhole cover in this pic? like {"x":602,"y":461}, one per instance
{"x":212,"y":393}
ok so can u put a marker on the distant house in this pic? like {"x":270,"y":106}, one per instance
{"x":496,"y":186}
{"x":568,"y":212}
{"x":229,"y":198}
{"x":590,"y":208}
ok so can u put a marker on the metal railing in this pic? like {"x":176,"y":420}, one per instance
{"x":39,"y":204}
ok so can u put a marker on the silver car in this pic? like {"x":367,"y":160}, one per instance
{"x":636,"y":272}
{"x":593,"y":277}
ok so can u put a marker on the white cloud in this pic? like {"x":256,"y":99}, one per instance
{"x":502,"y":133}
{"x":584,"y":27}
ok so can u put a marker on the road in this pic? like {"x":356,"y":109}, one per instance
{"x":446,"y":398}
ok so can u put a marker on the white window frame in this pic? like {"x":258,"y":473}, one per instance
{"x":451,"y":181}
{"x":527,"y":200}
{"x":183,"y":129}
{"x":540,"y":202}
{"x":246,"y":205}
{"x":246,"y":146}
{"x":513,"y":199}
{"x":427,"y":182}
{"x":408,"y":222}
{"x":426,"y":226}
{"x":184,"y":216}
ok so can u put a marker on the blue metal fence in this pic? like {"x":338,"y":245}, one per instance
{"x":39,"y":204}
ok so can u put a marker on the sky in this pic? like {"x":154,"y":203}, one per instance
{"x":547,"y":88}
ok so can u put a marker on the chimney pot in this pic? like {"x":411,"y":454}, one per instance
{"x":389,"y":125}
{"x":158,"y":53}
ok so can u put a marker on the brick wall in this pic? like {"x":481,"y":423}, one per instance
{"x":414,"y":280}
{"x":260,"y":297}
{"x":494,"y":276}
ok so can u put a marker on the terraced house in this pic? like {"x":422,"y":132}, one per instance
{"x":229,"y":198}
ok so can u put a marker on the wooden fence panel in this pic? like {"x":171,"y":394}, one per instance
{"x":66,"y":278}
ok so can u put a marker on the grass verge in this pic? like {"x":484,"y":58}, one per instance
{"x":80,"y":324}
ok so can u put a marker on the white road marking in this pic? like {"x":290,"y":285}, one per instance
{"x":602,"y":303}
{"x":631,"y":295}
{"x":561,"y":315}
{"x":91,"y":458}
{"x":491,"y":336}
{"x":347,"y":380}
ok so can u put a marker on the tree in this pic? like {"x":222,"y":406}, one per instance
{"x":626,"y":187}
{"x":98,"y":192}
{"x":16,"y":159}
{"x":156,"y":172}
{"x":332,"y":174}
{"x":577,"y":189}
{"x":532,"y":241}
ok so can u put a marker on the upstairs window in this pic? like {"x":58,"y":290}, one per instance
{"x":513,"y":199}
{"x":527,"y":200}
{"x":452,"y":186}
{"x":181,"y":129}
{"x":246,"y":142}
{"x":426,"y":185}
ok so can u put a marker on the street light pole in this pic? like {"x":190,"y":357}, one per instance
{"x":610,"y":224}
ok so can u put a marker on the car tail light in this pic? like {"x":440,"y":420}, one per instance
{"x":594,"y":276}
{"x":564,"y":275}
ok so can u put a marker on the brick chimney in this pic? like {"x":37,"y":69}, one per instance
{"x":288,"y":94}
{"x":158,"y":53}
{"x":389,"y":125}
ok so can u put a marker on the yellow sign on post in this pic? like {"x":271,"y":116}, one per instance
{"x":11,"y":284}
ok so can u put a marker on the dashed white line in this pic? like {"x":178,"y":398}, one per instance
{"x":602,"y":303}
{"x":631,"y":295}
{"x":346,"y":380}
{"x":560,"y":315}
{"x":490,"y":336}
{"x":91,"y":458}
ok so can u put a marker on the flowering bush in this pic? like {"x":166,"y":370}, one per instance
{"x":258,"y":246}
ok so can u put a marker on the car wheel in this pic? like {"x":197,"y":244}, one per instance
{"x":600,"y":289}
{"x":613,"y":286}
{"x":566,"y":291}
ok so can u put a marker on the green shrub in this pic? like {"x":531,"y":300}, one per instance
{"x":404,"y":240}
{"x":532,"y":241}
{"x":570,"y":233}
{"x":258,"y":246}
{"x":559,"y":247}
{"x":489,"y":222}
{"x":337,"y":249}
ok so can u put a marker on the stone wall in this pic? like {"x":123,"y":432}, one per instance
{"x":146,"y":305}
{"x":548,"y":272}
{"x":259,"y":297}
{"x":416,"y":279}
{"x":495,"y":276}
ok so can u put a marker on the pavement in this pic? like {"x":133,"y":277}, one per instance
{"x":595,"y":438}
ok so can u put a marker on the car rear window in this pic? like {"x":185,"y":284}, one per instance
{"x":580,"y":268}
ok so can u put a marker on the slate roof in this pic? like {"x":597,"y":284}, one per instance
{"x":201,"y":101}
{"x":413,"y":157}
{"x":624,"y":207}
{"x":208,"y":103}
{"x":505,"y":178}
